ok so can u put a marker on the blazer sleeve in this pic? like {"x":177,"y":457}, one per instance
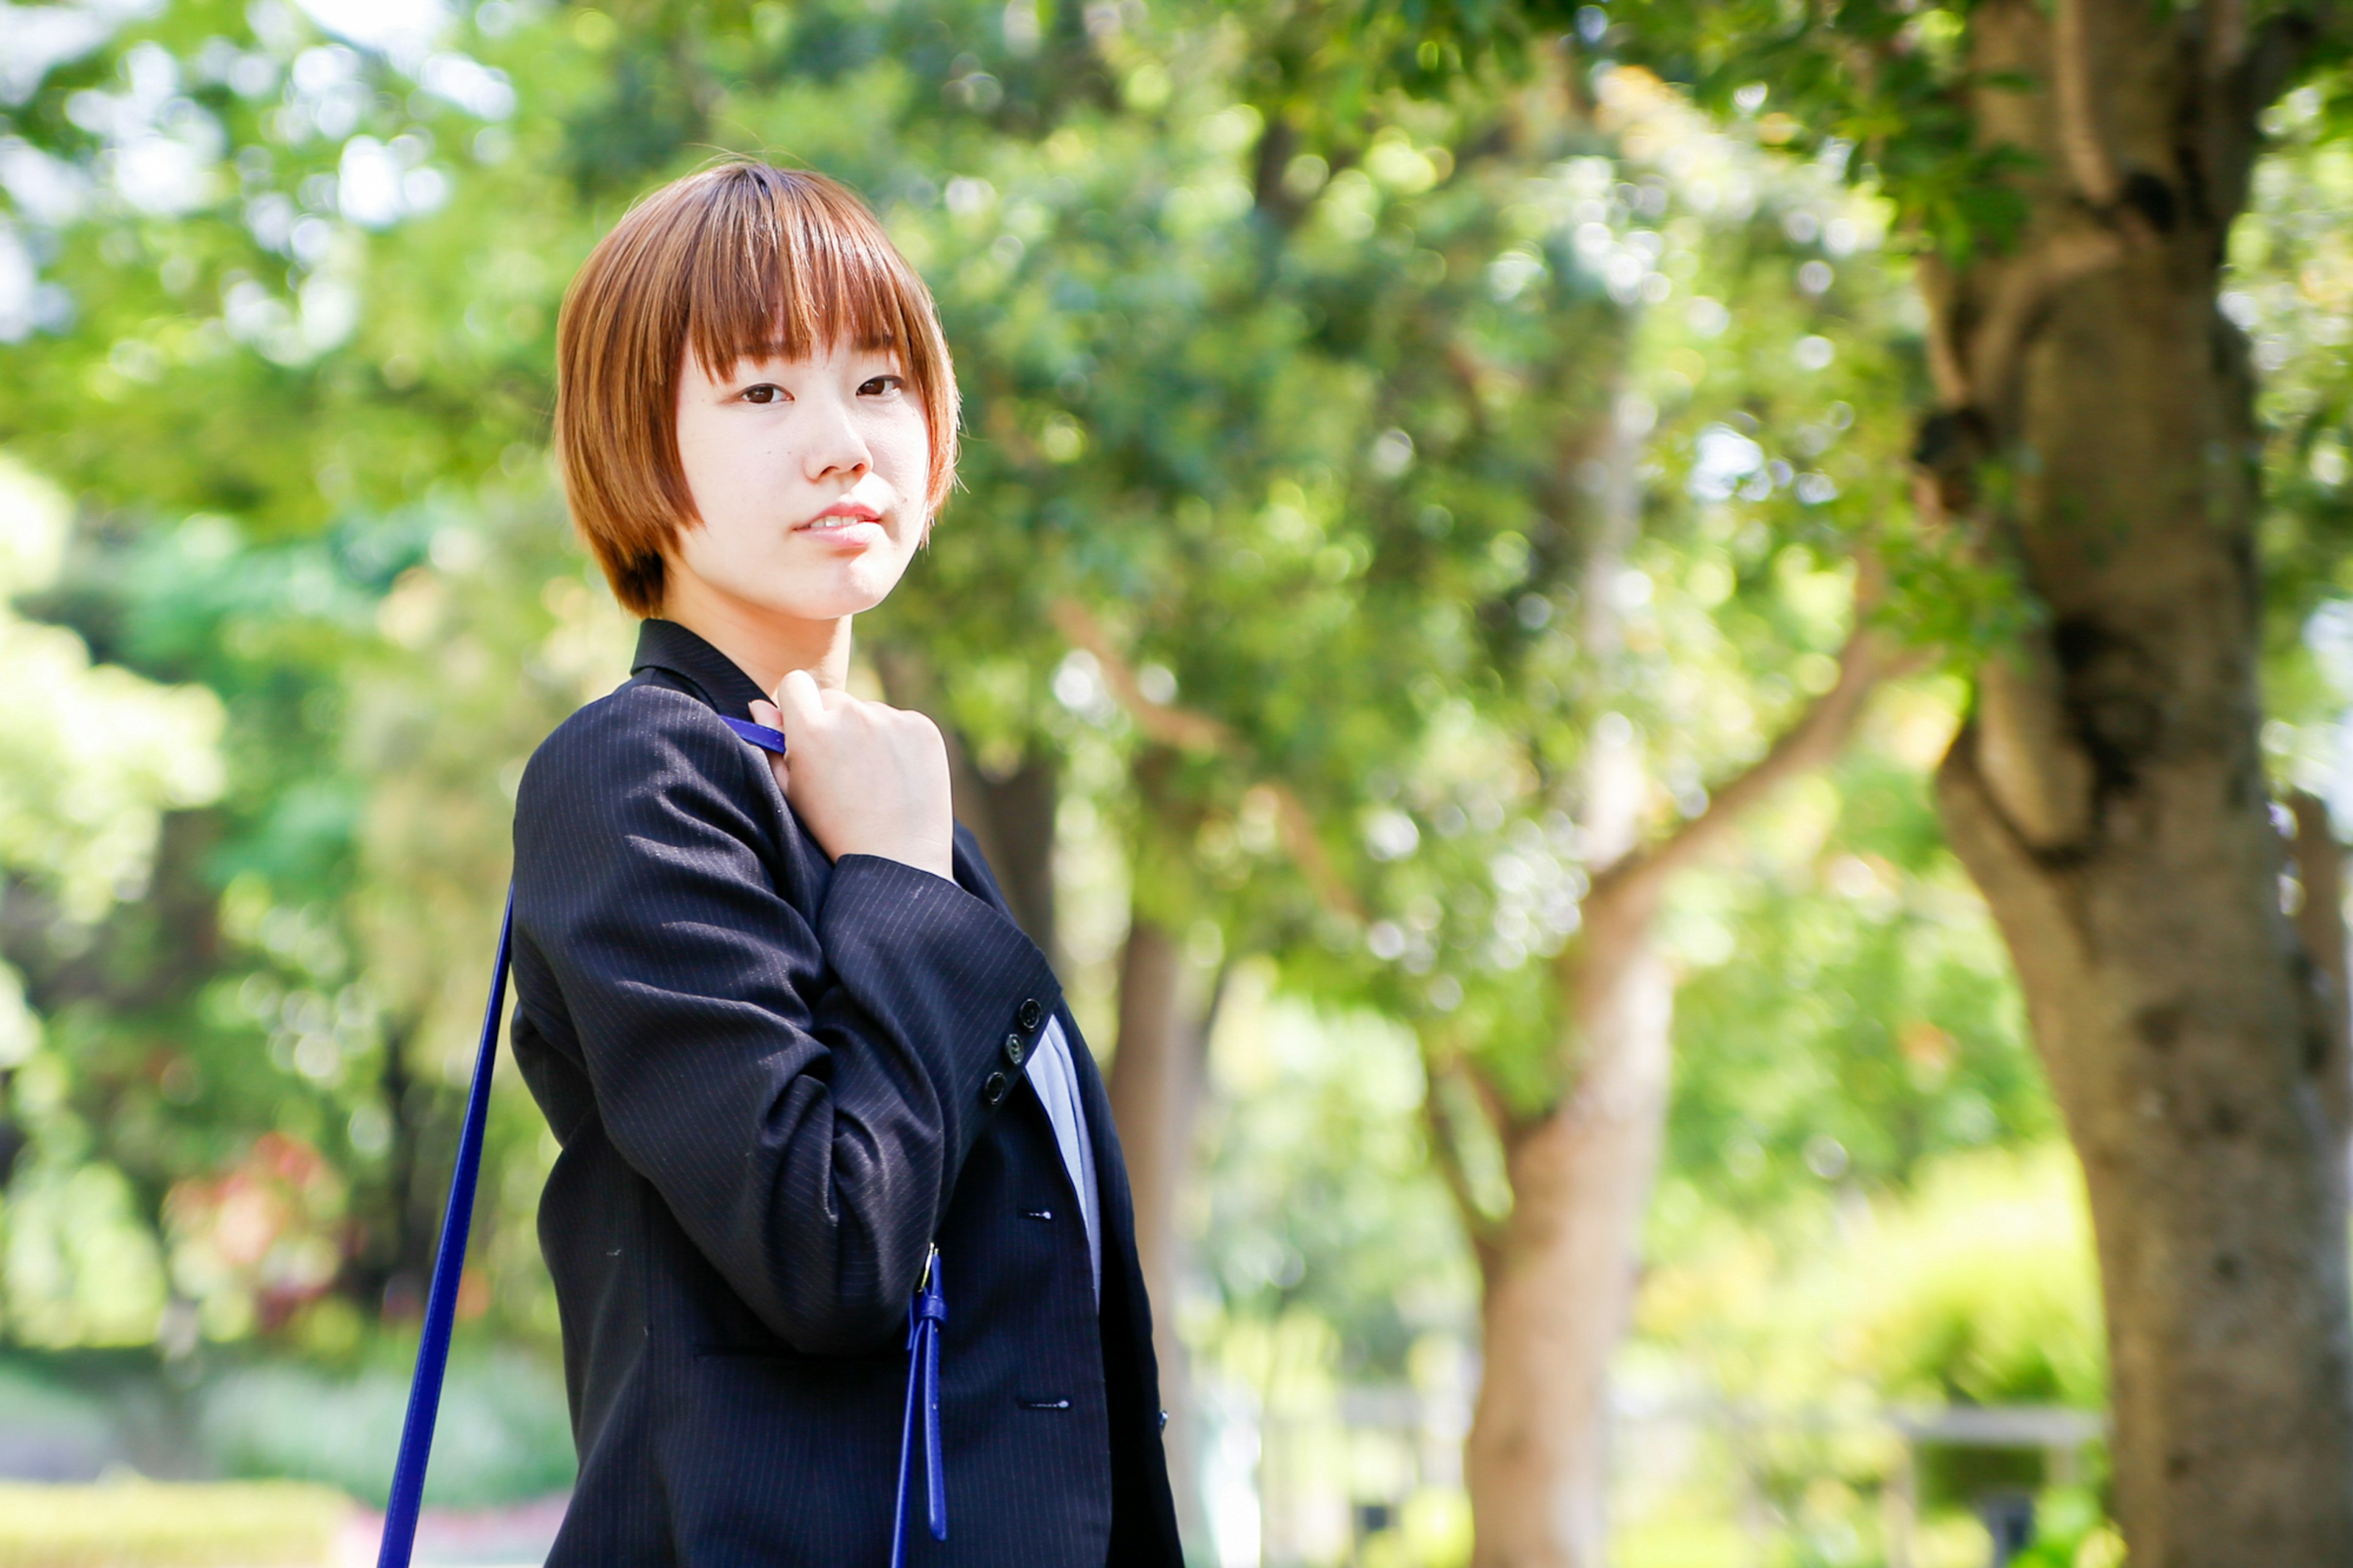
{"x":802,"y":1096}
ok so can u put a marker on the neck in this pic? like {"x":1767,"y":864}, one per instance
{"x":766,"y":645}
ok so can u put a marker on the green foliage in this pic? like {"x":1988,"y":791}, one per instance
{"x":2289,"y":289}
{"x":1862,"y":1020}
{"x":69,"y":1423}
{"x":503,"y":1433}
{"x":1315,"y":1197}
{"x":1975,"y":1286}
{"x":2072,"y":1530}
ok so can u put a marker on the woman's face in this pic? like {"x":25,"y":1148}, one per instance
{"x":809,"y":477}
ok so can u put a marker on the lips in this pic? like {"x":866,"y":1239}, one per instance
{"x":842,"y":514}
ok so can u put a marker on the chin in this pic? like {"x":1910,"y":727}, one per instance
{"x":869,"y":581}
{"x":852,"y":592}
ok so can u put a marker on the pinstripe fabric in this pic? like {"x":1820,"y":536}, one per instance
{"x":775,"y":1080}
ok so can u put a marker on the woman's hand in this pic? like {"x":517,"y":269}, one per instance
{"x":867,"y":779}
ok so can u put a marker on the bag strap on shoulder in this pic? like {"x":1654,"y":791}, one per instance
{"x":449,"y":1261}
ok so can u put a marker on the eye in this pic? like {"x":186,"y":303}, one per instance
{"x":880,"y":386}
{"x":766,"y":392}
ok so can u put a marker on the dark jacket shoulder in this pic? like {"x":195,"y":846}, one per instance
{"x":641,"y":737}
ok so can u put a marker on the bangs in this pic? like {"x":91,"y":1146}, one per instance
{"x":785,"y":266}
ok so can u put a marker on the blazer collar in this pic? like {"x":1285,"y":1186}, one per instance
{"x":720,"y":681}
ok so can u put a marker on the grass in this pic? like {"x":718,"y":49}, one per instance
{"x":158,"y":1524}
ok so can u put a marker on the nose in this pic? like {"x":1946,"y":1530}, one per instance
{"x":837,"y":447}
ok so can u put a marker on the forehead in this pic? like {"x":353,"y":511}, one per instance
{"x":792,"y":280}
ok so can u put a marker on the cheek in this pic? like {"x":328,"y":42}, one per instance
{"x":704,"y":462}
{"x":902,"y":450}
{"x":736,"y":500}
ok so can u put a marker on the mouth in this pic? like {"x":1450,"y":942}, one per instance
{"x":839,"y":515}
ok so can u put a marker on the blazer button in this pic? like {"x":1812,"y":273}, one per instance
{"x":1031,"y":1014}
{"x":1014,"y":1049}
{"x":994,"y":1089}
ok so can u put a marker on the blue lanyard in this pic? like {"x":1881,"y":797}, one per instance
{"x":760,"y":735}
{"x":927,"y":1317}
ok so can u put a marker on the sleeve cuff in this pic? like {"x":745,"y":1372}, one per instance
{"x":895,"y":933}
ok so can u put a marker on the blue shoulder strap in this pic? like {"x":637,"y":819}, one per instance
{"x":441,"y":1304}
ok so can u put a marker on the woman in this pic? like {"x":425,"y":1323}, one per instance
{"x":774,"y":1007}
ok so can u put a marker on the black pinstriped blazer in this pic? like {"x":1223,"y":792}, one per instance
{"x":776,"y":1078}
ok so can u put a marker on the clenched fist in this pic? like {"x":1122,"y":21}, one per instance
{"x":866,"y":778}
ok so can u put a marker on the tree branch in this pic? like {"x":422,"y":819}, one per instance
{"x":1472,"y":375}
{"x":1297,"y":825}
{"x":2320,"y":923}
{"x":2223,"y":41}
{"x":2246,"y":78}
{"x":1947,"y":363}
{"x":2080,"y":141}
{"x":1186,"y":730}
{"x":1171,"y":726}
{"x":2018,"y":294}
{"x":1484,"y":1229}
{"x":1817,"y":737}
{"x":2033,"y":769}
{"x":2039,"y":924}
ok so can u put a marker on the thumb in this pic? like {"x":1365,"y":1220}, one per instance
{"x":799,"y":702}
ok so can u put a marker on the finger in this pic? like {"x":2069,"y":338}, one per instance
{"x":799,"y":701}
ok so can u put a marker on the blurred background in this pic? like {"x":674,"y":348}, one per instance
{"x":1442,"y":636}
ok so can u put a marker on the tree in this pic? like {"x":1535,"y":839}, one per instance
{"x":2070,"y":178}
{"x":1490,"y":603}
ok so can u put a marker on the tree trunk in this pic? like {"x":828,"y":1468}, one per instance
{"x":386,"y":1277}
{"x":1011,"y":814}
{"x":1014,"y":824}
{"x":1156,"y":1080}
{"x":1561,"y":1272}
{"x":2108,"y":792}
{"x":1558,"y":1273}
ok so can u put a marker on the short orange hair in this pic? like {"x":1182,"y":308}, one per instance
{"x":741,"y":259}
